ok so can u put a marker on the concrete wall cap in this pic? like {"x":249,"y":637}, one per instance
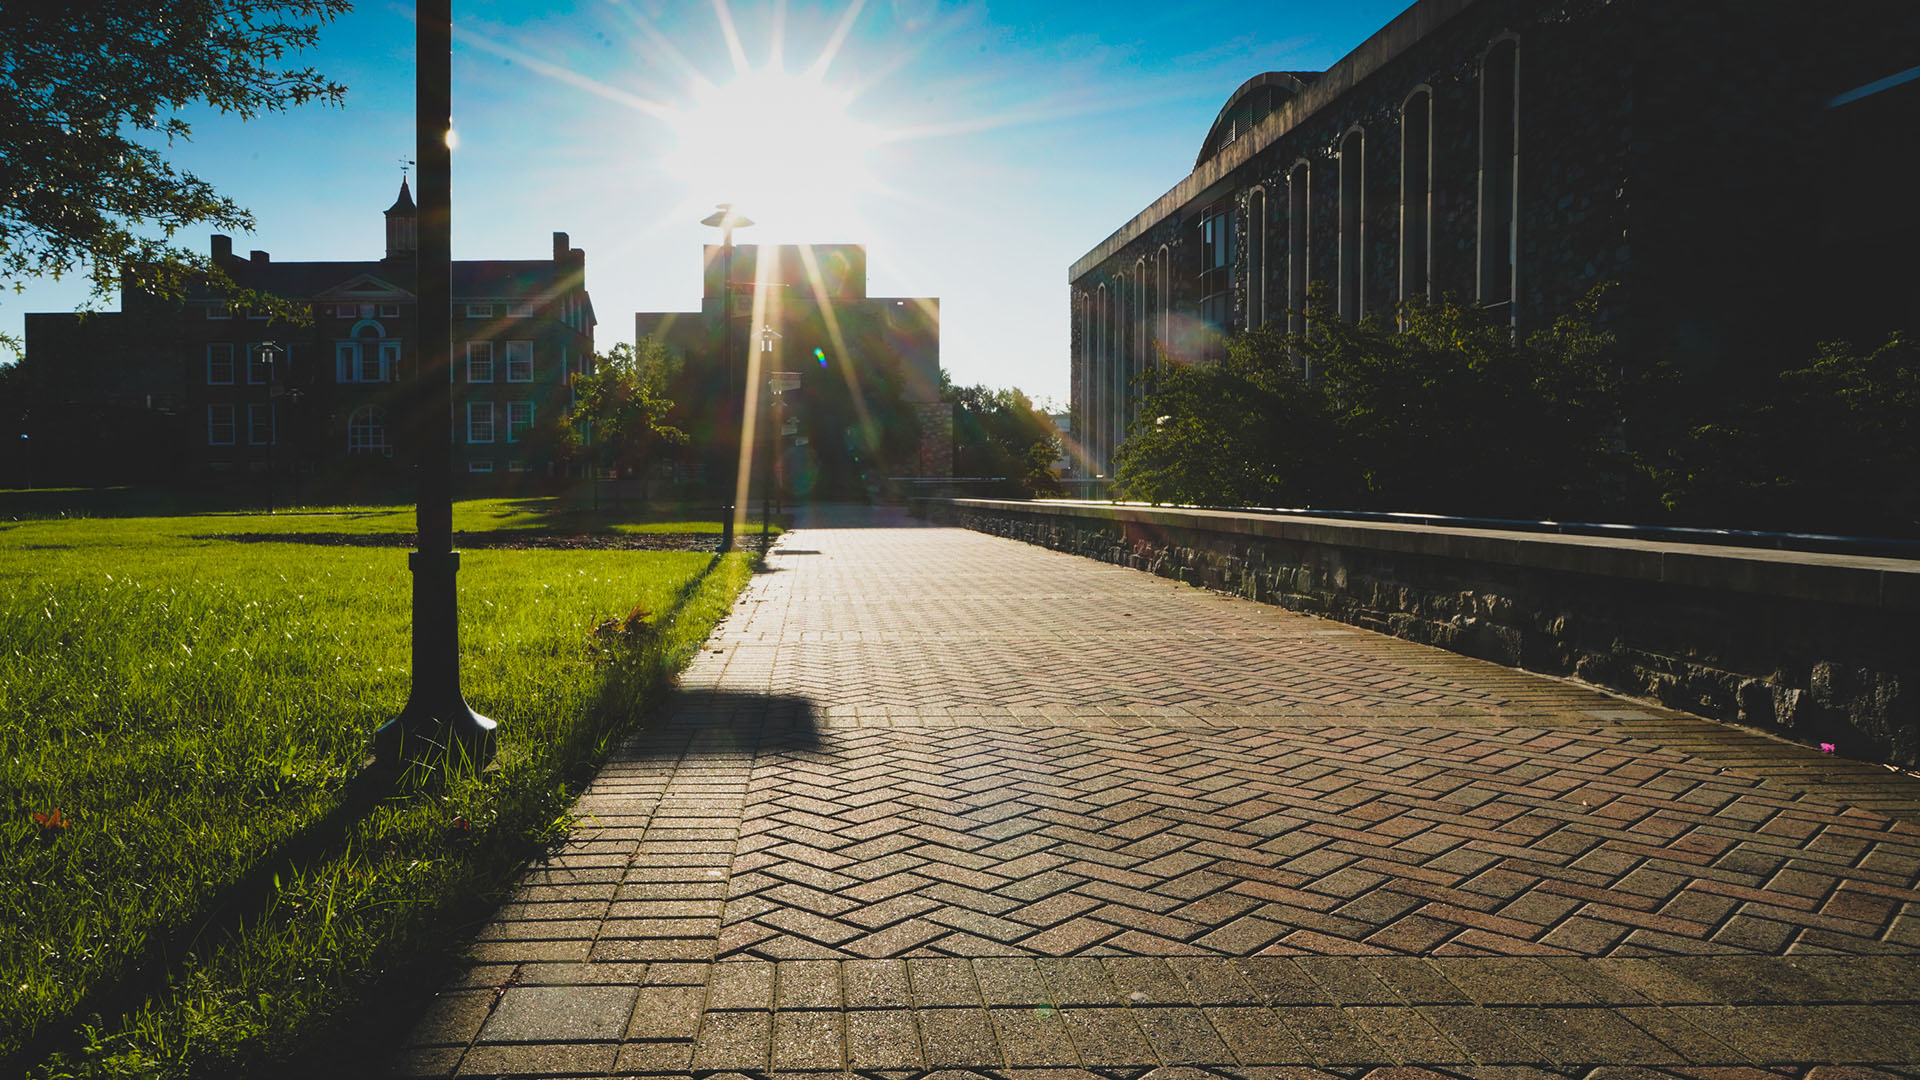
{"x":1856,"y":580}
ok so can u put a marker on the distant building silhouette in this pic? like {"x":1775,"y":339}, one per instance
{"x":1743,"y":168}
{"x":868,"y":405}
{"x":179,"y":391}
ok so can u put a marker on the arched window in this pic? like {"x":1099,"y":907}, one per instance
{"x":1416,"y":195}
{"x":1256,"y":258}
{"x":1353,"y":217}
{"x":367,"y":432}
{"x":367,"y":355}
{"x":1499,"y":175}
{"x":1298,"y":181}
{"x":1103,"y":377}
{"x":1164,"y":286}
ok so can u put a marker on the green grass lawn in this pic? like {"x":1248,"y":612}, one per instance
{"x":174,"y":706}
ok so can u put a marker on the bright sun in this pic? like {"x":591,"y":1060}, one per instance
{"x":781,"y":148}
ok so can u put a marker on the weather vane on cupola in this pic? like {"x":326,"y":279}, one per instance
{"x":405,"y":164}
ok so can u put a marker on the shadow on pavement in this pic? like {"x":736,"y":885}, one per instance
{"x":718,"y":724}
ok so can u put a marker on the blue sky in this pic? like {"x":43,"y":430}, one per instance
{"x":991,"y":143}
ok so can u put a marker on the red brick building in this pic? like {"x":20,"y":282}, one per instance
{"x":200,"y":391}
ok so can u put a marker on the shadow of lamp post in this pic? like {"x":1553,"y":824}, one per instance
{"x":732,"y":409}
{"x":436,"y":726}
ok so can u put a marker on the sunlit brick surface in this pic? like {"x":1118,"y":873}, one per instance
{"x":934,"y":800}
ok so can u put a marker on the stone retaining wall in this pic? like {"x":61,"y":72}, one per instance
{"x":1818,"y":647}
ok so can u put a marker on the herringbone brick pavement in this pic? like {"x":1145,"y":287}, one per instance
{"x":933,"y":800}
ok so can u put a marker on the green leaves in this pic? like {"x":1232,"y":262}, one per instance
{"x":622,"y":406}
{"x":80,"y":189}
{"x":1437,"y":410}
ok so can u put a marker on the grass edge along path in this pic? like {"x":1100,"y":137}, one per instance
{"x":404,"y":884}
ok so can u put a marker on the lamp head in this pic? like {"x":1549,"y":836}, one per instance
{"x":724,"y":217}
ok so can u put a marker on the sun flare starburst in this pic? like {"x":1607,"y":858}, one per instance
{"x":782,"y":147}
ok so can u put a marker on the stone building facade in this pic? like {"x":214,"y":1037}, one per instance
{"x":1735,"y":166}
{"x":215,"y":394}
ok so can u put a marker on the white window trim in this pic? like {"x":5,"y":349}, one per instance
{"x":473,"y":415}
{"x":511,"y":406}
{"x":480,"y":311}
{"x":479,"y":465}
{"x":528,"y":377}
{"x":273,"y":428}
{"x":253,"y":355}
{"x":377,"y":421}
{"x":389,"y":311}
{"x":471,"y":377}
{"x":219,"y":311}
{"x":212,"y":411}
{"x":520,"y":309}
{"x":228,"y":381}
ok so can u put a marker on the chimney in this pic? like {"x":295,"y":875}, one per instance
{"x":560,"y":247}
{"x":222,"y":247}
{"x":260,"y":258}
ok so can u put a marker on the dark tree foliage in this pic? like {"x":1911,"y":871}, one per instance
{"x":623,"y":407}
{"x":1003,"y":434}
{"x":1438,"y":411}
{"x":90,"y":95}
{"x":1246,"y":431}
{"x":1832,"y":446}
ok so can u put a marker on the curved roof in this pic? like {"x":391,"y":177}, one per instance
{"x":1247,"y":106}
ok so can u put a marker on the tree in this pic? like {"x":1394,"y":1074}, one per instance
{"x":90,"y":94}
{"x":621,"y":408}
{"x":1445,"y":411}
{"x":1246,"y":431}
{"x":1439,"y":410}
{"x":1831,"y":446}
{"x":1002,"y":433}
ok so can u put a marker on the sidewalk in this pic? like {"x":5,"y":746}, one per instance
{"x":934,"y":800}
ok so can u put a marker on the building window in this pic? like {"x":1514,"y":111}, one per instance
{"x":479,"y":465}
{"x":260,"y":424}
{"x":1163,"y":286}
{"x":389,"y":369}
{"x":259,"y":369}
{"x":256,"y":314}
{"x":219,"y":425}
{"x":1353,"y":216}
{"x":520,"y":309}
{"x":479,"y":311}
{"x":1499,"y":170}
{"x":479,"y":361}
{"x":1216,"y":270}
{"x":217,"y":310}
{"x":516,"y":464}
{"x":1257,"y":258}
{"x":519,"y":420}
{"x":479,"y":421}
{"x":220,"y":364}
{"x":1416,"y":195}
{"x":519,"y":361}
{"x":1298,"y":191}
{"x":389,"y":311}
{"x":367,"y":432}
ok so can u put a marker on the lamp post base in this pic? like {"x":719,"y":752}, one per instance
{"x":437,"y":727}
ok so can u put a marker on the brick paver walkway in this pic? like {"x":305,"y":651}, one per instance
{"x":933,"y":800}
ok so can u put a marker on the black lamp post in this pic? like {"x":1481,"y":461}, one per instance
{"x":269,"y":351}
{"x":726,"y":221}
{"x":768,"y":335}
{"x":437,"y":724}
